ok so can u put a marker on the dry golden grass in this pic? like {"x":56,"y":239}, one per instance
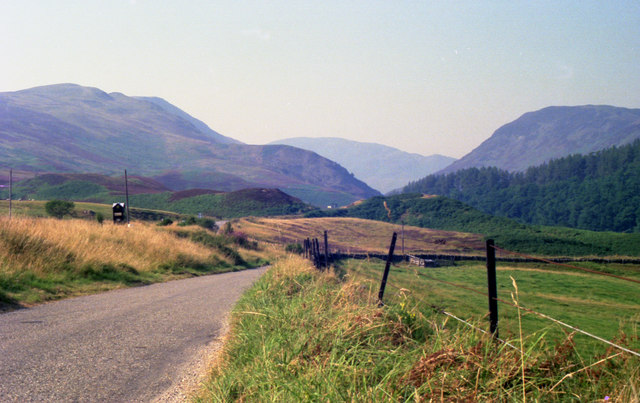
{"x":39,"y":244}
{"x":354,"y":235}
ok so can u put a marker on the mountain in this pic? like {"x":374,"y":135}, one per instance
{"x":381,"y":167}
{"x":75,"y":129}
{"x":200,"y":125}
{"x":553,"y":132}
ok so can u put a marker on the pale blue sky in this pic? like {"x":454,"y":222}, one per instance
{"x":423,"y":76}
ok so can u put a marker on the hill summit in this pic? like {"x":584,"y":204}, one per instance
{"x":551,"y":133}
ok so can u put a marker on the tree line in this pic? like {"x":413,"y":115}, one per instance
{"x":599,"y":191}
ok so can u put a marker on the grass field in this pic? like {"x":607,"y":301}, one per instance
{"x":605,"y":306}
{"x":355,"y":235}
{"x":36,"y":208}
{"x":302,"y":335}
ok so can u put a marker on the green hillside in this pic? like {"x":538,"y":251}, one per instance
{"x":255,"y":202}
{"x":149,"y":194}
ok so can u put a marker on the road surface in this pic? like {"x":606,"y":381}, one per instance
{"x":129,"y":345}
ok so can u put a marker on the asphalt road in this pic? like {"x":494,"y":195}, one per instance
{"x":127,"y":345}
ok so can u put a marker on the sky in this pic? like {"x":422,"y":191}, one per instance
{"x":429,"y":77}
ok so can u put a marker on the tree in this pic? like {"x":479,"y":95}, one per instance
{"x":59,"y":208}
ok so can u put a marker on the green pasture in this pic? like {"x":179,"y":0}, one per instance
{"x":607,"y":307}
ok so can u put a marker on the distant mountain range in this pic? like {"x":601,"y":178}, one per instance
{"x":381,"y":167}
{"x":553,"y":132}
{"x":75,"y":129}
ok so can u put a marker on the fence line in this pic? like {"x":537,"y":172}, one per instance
{"x":490,"y":247}
{"x":439,"y":310}
{"x":567,"y":265}
{"x":535,"y":313}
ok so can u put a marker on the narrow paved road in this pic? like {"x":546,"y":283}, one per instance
{"x":121,"y":346}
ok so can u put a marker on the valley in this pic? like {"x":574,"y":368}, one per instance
{"x":320,"y":201}
{"x":202,"y":203}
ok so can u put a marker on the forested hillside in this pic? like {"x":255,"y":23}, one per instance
{"x":599,"y":191}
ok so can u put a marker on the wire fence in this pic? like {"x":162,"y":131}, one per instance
{"x":312,"y":251}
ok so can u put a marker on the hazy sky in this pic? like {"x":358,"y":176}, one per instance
{"x":423,"y":76}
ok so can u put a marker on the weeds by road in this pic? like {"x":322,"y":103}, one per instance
{"x":301,"y":335}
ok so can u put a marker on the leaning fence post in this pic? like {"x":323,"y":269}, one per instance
{"x":383,"y":284}
{"x":493,"y":288}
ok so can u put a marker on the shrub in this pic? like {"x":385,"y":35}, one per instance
{"x":294,"y":248}
{"x":207,"y":223}
{"x":59,"y":208}
{"x":165,"y":221}
{"x":228,"y":229}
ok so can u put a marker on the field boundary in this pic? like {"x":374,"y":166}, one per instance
{"x":311,"y":250}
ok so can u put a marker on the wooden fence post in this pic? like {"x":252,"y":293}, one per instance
{"x":316,"y":247}
{"x":493,"y":288}
{"x":326,"y":251}
{"x":383,"y":284}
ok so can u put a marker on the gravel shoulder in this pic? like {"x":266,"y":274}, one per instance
{"x":139,"y":344}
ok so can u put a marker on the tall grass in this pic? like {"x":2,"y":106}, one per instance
{"x":46,"y":258}
{"x":301,"y":335}
{"x":601,"y":305}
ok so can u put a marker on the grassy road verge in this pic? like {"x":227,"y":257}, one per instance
{"x":43,"y":259}
{"x":300,"y":335}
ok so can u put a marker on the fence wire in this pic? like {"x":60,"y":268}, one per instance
{"x":566,"y":265}
{"x":539,"y":314}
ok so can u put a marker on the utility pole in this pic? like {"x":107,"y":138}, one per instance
{"x":126,"y":189}
{"x":10,"y":191}
{"x":403,"y":255}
